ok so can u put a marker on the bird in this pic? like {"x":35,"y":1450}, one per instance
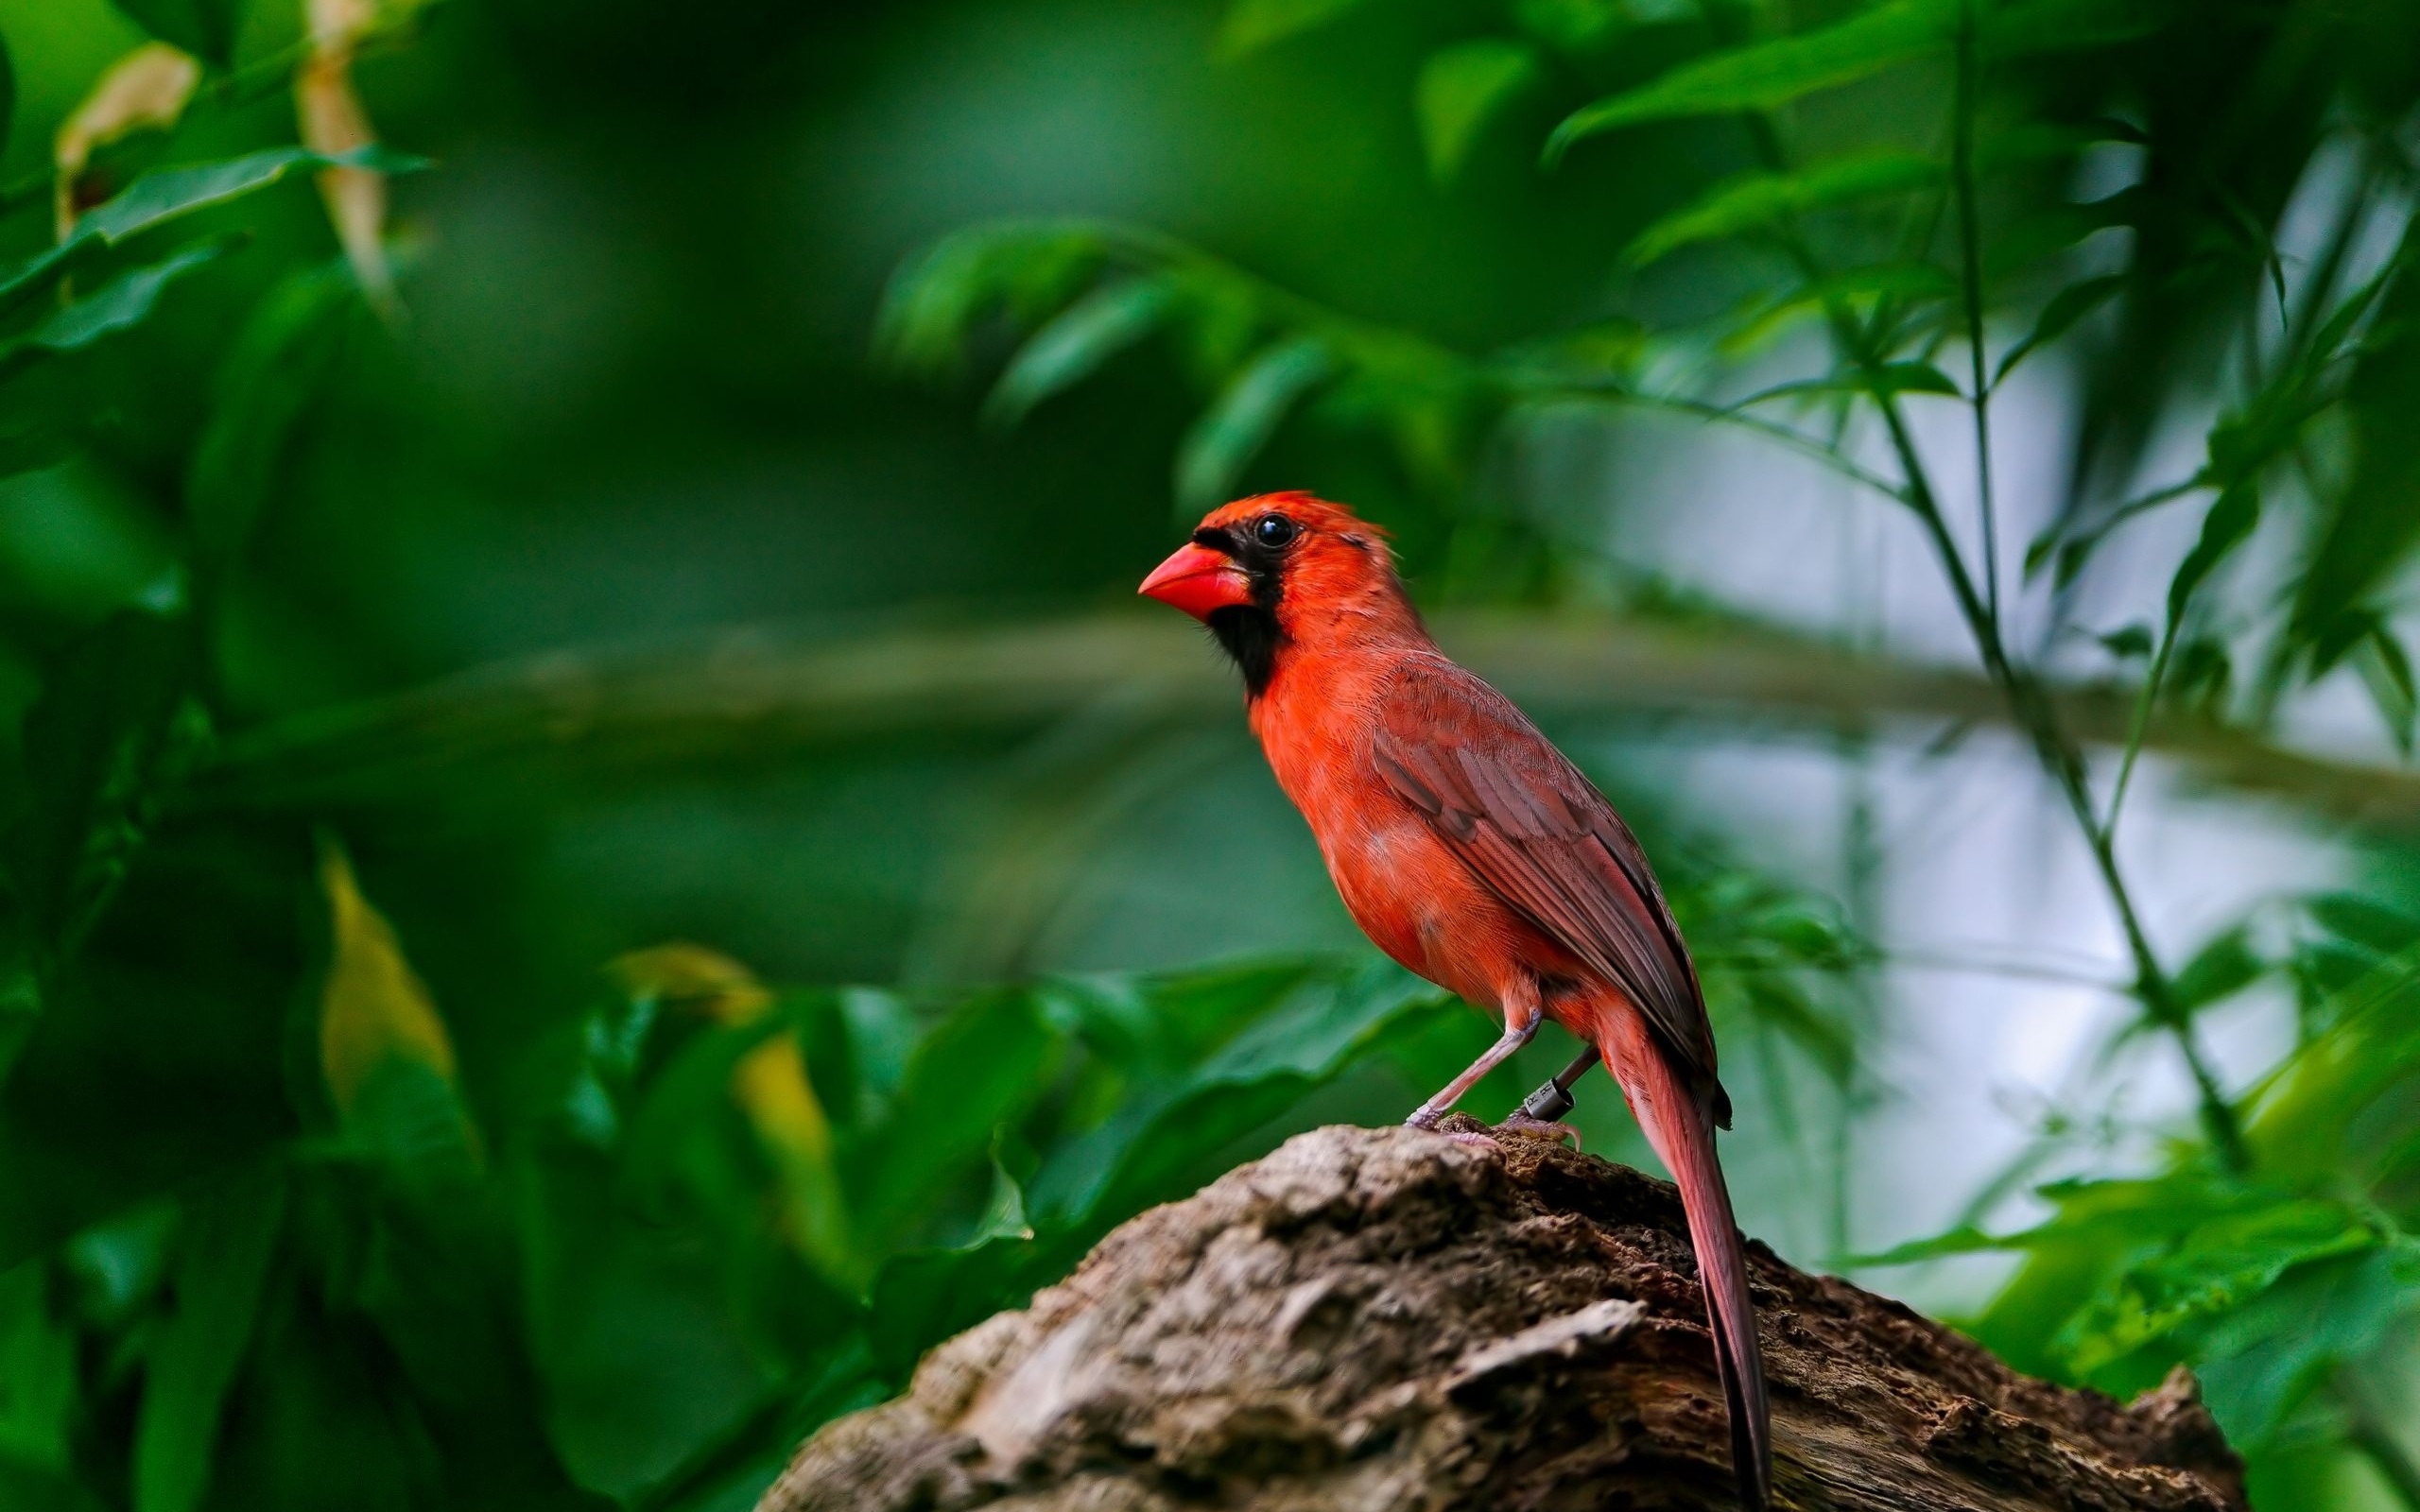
{"x":1475,"y":854}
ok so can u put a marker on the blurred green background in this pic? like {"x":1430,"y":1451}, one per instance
{"x":598,"y":852}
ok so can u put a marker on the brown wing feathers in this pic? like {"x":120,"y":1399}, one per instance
{"x":1540,"y":838}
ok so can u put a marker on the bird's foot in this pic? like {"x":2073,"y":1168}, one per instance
{"x":1553,"y":1130}
{"x":1428,"y":1118}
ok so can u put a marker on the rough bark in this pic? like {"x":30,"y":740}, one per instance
{"x":1380,"y":1320}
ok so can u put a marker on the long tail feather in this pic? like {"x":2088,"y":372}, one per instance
{"x":1680,"y":1125}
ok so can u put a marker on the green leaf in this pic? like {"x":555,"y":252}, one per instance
{"x":40,"y":1389}
{"x":2370,"y":923}
{"x":2217,"y":970}
{"x":877,"y":1033}
{"x":1251,"y":24}
{"x":2368,"y":526}
{"x":2038,"y":551}
{"x":2090,"y":1214}
{"x":98,"y":745}
{"x":1756,"y":201}
{"x":1963,"y":1240}
{"x":1240,"y":422}
{"x":1076,"y":343}
{"x":2264,"y":1359}
{"x":206,"y":28}
{"x":923,"y":1297}
{"x":1161,"y":1027}
{"x":386,"y":1058}
{"x":274,"y":374}
{"x":1461,"y":90}
{"x":2125,"y":1263}
{"x":1906,"y":378}
{"x":1882,"y":381}
{"x":641,"y":1361}
{"x":1027,"y":269}
{"x":2073,"y":551}
{"x":168,"y":193}
{"x":688,"y":1105}
{"x":2202,"y":675}
{"x":2131,"y":642}
{"x":222,"y":1263}
{"x":121,"y":304}
{"x":1574,"y":26}
{"x":982,"y":1067}
{"x":165,"y":193}
{"x":1767,"y":75}
{"x":2032,"y":234}
{"x":2227,"y":525}
{"x":2385,"y":670}
{"x":2038,"y":26}
{"x":2338,"y":639}
{"x":2214,"y":1268}
{"x":2267,"y":425}
{"x":1148,"y":1152}
{"x":1913,"y":284}
{"x":2067,"y":308}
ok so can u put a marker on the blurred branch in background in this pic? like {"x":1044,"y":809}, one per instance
{"x":753,"y":696}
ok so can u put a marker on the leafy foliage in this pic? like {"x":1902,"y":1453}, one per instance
{"x":1759,"y":200}
{"x":629,"y":1178}
{"x":2270,"y":1286}
{"x":205,"y":28}
{"x":1899,"y":239}
{"x":350,"y":1153}
{"x":1765,"y":75}
{"x":1463,"y":87}
{"x":631,"y":1256}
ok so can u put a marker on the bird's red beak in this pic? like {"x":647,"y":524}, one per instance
{"x":1198,"y":580}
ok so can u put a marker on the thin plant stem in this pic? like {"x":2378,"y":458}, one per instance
{"x":2144,"y":703}
{"x":1812,"y":447}
{"x":1970,"y":251}
{"x":2032,"y":711}
{"x":2030,"y":707}
{"x":2034,"y":714}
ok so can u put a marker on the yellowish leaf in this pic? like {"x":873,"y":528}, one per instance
{"x":769,"y":1083}
{"x":334,"y":122}
{"x":695,"y":980}
{"x":144,"y":90}
{"x":375,"y":1010}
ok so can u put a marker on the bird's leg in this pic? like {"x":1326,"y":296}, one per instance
{"x":1551,"y":1102}
{"x":1438,"y":1106}
{"x":1542,"y":1112}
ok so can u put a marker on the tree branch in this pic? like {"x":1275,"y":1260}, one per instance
{"x":760,"y":695}
{"x":1383,"y":1318}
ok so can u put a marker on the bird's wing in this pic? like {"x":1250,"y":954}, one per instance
{"x":1542,"y":838}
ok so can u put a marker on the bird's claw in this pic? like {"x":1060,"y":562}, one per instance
{"x":1554,"y":1130}
{"x":1426,"y":1119}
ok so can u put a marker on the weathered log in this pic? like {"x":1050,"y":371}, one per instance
{"x":1380,"y":1320}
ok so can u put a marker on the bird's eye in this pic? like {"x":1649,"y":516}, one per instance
{"x":1275,"y":530}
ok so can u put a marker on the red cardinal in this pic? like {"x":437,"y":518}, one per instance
{"x":1471,"y":851}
